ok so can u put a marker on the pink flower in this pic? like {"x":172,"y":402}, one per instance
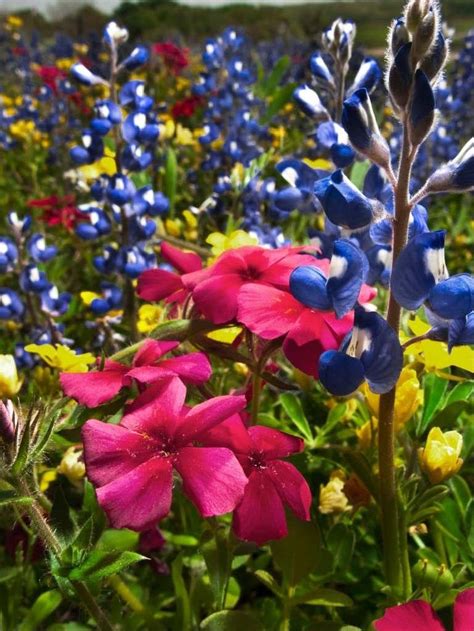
{"x":273,"y":483}
{"x":216,"y":290}
{"x":271,"y":312}
{"x":131,"y":464}
{"x":94,"y":388}
{"x":159,"y":284}
{"x":418,"y":615}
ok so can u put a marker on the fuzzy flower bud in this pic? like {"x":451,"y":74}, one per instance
{"x":8,"y":421}
{"x":399,"y":35}
{"x":425,"y":35}
{"x":456,"y":175}
{"x":421,"y":109}
{"x":439,"y":459}
{"x":332,"y":498}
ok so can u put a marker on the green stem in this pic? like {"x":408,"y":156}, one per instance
{"x":44,"y":530}
{"x":126,"y":594}
{"x":256,"y":390}
{"x":395,"y":551}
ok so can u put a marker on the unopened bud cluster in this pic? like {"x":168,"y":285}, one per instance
{"x":338,"y":40}
{"x":417,"y":54}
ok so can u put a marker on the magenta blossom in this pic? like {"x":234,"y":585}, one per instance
{"x":273,"y":483}
{"x":216,"y":289}
{"x":158,"y":284}
{"x":94,"y":388}
{"x":419,"y":615}
{"x":271,"y":312}
{"x":131,"y":464}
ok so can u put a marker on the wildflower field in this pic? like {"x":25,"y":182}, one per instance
{"x":237,"y":330}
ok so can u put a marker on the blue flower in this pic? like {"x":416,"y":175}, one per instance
{"x":456,"y":175}
{"x":98,"y":223}
{"x":137,"y":128}
{"x":343,"y":203}
{"x":85,"y":76}
{"x":340,"y":290}
{"x":320,"y":69}
{"x":120,"y":189}
{"x":138,"y":57}
{"x":11,"y":307}
{"x":332,"y":136}
{"x":148,"y":201}
{"x":309,"y":102}
{"x":53,"y":302}
{"x":114,"y":35}
{"x":111,"y":299}
{"x":32,"y":279}
{"x":420,"y":276}
{"x":132,"y":94}
{"x":368,"y":76}
{"x":92,"y":148}
{"x":8,"y":254}
{"x":358,"y":119}
{"x":39,"y":250}
{"x":107,"y":114}
{"x":372,"y":354}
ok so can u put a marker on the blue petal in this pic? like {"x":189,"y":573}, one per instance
{"x":464,"y":174}
{"x":308,"y":101}
{"x":339,"y":373}
{"x":383,"y":359}
{"x":288,"y":198}
{"x":454,"y":297}
{"x":423,"y":102}
{"x":342,"y":155}
{"x":319,"y":68}
{"x":461,"y":331}
{"x":308,"y":285}
{"x":298,"y":174}
{"x":354,"y":122}
{"x":346,"y":275}
{"x":368,"y":75}
{"x":342,"y":202}
{"x":412,"y":279}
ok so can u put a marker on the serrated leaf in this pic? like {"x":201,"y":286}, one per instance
{"x":100,"y":564}
{"x":293,"y":408}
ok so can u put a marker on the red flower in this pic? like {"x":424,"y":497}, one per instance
{"x":186,"y":107}
{"x":175,"y":58}
{"x":57,"y":211}
{"x":50,"y":76}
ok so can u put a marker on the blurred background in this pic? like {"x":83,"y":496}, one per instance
{"x":192,"y":20}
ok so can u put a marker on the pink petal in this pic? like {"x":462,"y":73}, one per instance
{"x":111,"y":451}
{"x":147,"y":374}
{"x":156,"y":284}
{"x":266,"y":311}
{"x":152,"y":350}
{"x":207,"y":415}
{"x":340,"y":326}
{"x":193,"y":368}
{"x":367,"y":293}
{"x":184,"y":262}
{"x":216,"y":297}
{"x":307,"y":340}
{"x":157,"y":409}
{"x":139,"y":498}
{"x":94,"y":388}
{"x":231,"y":433}
{"x":192,"y":279}
{"x":274,"y":444}
{"x":260,"y":516}
{"x":292,"y":487}
{"x":417,"y":615}
{"x":212,"y":478}
{"x":464,"y":611}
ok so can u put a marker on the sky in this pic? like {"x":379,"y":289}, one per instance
{"x":108,"y":5}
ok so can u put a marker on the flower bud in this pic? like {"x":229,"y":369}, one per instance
{"x":358,"y":119}
{"x":439,"y":459}
{"x":456,"y":175}
{"x":399,"y":35}
{"x":10,"y":383}
{"x":421,"y":109}
{"x":72,"y":464}
{"x":400,"y":77}
{"x":425,"y":35}
{"x":114,"y":35}
{"x":435,"y":60}
{"x":415,"y":11}
{"x":8,"y":421}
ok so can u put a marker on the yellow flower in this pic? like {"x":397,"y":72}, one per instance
{"x":331,"y":495}
{"x":62,"y":357}
{"x":149,"y":317}
{"x":10,"y":383}
{"x":435,"y":355}
{"x":319,"y":163}
{"x":364,"y":433}
{"x":105,"y":165}
{"x":72,"y":464}
{"x":408,"y":398}
{"x":227,"y":335}
{"x":64,"y":63}
{"x":190,"y":227}
{"x":173,"y":227}
{"x":46,"y":478}
{"x":13,"y":22}
{"x":184,"y":136}
{"x":439,"y":459}
{"x":221,"y":242}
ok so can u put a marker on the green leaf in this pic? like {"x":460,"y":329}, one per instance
{"x":10,"y":497}
{"x":461,"y":491}
{"x":117,"y":540}
{"x":267,"y":579}
{"x":182,"y":619}
{"x":218,"y":557}
{"x":171,"y":176}
{"x":324,"y":597}
{"x":23,"y":451}
{"x":280,"y":98}
{"x":341,"y":542}
{"x":274,"y":79}
{"x":469,"y":521}
{"x":434,"y":392}
{"x":297,"y":554}
{"x":43,"y":606}
{"x":102,"y":563}
{"x":358,"y":173}
{"x":230,"y":621}
{"x":292,"y":406}
{"x":460,"y":392}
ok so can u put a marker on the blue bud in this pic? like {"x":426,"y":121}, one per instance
{"x":343,"y":203}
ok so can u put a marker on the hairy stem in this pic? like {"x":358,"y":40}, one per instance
{"x":51,"y":542}
{"x":395,"y":551}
